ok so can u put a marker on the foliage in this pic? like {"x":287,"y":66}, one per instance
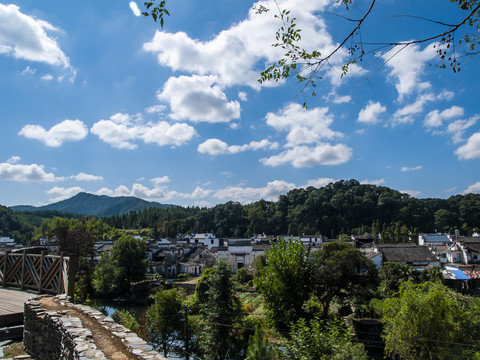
{"x":429,"y":321}
{"x":164,"y":320}
{"x":242,"y":275}
{"x":283,"y":282}
{"x":258,"y":346}
{"x":321,"y":339}
{"x":341,"y":272}
{"x":117,"y":269}
{"x":393,"y":274}
{"x":219,"y":311}
{"x":342,"y":207}
{"x":125,"y":318}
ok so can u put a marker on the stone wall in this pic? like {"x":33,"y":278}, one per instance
{"x":50,"y":334}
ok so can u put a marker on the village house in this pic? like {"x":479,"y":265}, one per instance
{"x":408,"y":254}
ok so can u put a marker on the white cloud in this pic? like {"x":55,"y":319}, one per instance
{"x":412,"y":193}
{"x":234,"y":53}
{"x":405,"y":115}
{"x":28,"y":70}
{"x":155,"y":109}
{"x":318,"y":183}
{"x":217,"y":147}
{"x":473,"y":189}
{"x":160,"y":180}
{"x":458,"y":127}
{"x":407,"y":66}
{"x":104,"y":191}
{"x":373,"y":182}
{"x":304,"y":126}
{"x":370,"y":114}
{"x":67,"y":130}
{"x":62,"y":193}
{"x":25,"y":37}
{"x":20,"y":172}
{"x":86,"y":177}
{"x":121,"y":130}
{"x":405,"y":168}
{"x":337,"y":99}
{"x":134,"y":7}
{"x":435,"y":119}
{"x":14,"y":159}
{"x":198,"y":98}
{"x":305,"y":156}
{"x":242,"y":95}
{"x":471,"y":150}
{"x":271,"y":192}
{"x":47,"y":77}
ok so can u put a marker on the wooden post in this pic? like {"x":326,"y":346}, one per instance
{"x":72,"y":270}
{"x":40,"y":272}
{"x":24,"y":255}
{"x":5,"y":268}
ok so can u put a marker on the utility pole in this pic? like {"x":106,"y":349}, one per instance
{"x":185,"y":332}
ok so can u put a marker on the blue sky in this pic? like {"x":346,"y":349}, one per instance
{"x":95,"y":98}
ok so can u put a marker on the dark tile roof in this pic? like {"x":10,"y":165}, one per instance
{"x":406,"y":253}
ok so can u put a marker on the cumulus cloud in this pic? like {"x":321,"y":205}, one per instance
{"x":304,"y":126}
{"x":25,"y":37}
{"x":122,"y":130}
{"x":198,"y":98}
{"x":471,"y":150}
{"x":370,"y":114}
{"x":318,"y":183}
{"x":21,"y":172}
{"x":86,"y":177}
{"x":306,"y":156}
{"x":217,"y":147}
{"x":435,"y":118}
{"x":61,"y":193}
{"x":405,"y":115}
{"x":160,"y":180}
{"x":458,"y":127}
{"x":473,"y":189}
{"x":270,"y":192}
{"x":405,"y":168}
{"x":235,"y":53}
{"x":67,"y":130}
{"x":407,"y":67}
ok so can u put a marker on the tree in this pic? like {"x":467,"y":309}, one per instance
{"x":117,"y":269}
{"x":258,"y":347}
{"x":164,"y":321}
{"x":219,"y":311}
{"x":429,"y":321}
{"x":283,"y":282}
{"x":342,"y":272}
{"x":321,"y":339}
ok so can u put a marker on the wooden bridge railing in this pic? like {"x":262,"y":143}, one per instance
{"x":40,"y":272}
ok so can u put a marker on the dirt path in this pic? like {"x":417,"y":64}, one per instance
{"x":109,"y":344}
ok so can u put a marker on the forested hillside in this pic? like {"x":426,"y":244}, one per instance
{"x":343,"y":207}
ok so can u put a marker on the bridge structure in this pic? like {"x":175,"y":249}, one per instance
{"x":24,"y":275}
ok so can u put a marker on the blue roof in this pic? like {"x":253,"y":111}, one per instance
{"x":460,"y":275}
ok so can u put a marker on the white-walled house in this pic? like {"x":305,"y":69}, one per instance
{"x":209,"y":240}
{"x":238,"y":252}
{"x":434,"y":239}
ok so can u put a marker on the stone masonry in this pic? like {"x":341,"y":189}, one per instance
{"x":50,"y":334}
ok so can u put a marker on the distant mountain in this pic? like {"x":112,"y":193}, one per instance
{"x":97,"y":205}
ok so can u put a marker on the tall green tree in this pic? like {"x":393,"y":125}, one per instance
{"x":164,"y":321}
{"x":283,"y":282}
{"x":429,"y":321}
{"x":219,"y":312}
{"x":258,"y":346}
{"x":341,"y":272}
{"x":116,"y":270}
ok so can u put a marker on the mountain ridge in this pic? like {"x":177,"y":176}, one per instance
{"x":95,"y":205}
